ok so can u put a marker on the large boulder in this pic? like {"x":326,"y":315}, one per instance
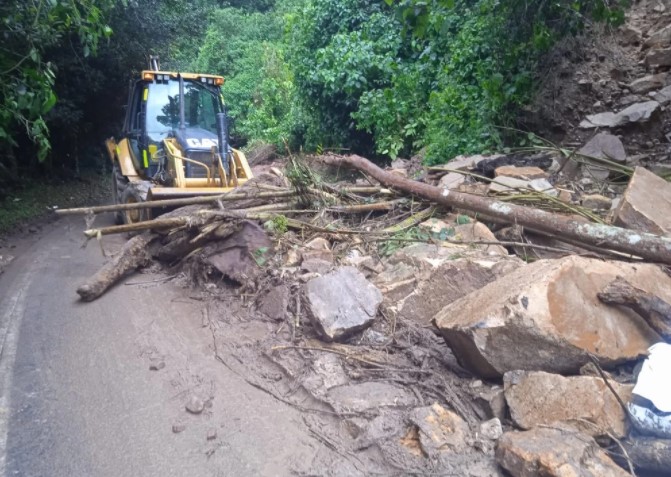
{"x":544,"y":452}
{"x":636,"y":113}
{"x":536,"y":398}
{"x":418,"y":281}
{"x":646,"y":204}
{"x":546,"y":316}
{"x":341,"y":303}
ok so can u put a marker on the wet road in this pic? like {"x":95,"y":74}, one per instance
{"x":78,"y":398}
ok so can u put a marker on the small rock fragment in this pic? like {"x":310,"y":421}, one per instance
{"x":211,"y":434}
{"x":195,"y":405}
{"x":648,"y":83}
{"x":660,"y":38}
{"x":440,"y":430}
{"x":524,"y":173}
{"x":451,"y":180}
{"x":662,"y":96}
{"x":658,"y":58}
{"x":178,"y":427}
{"x":605,"y":146}
{"x":157,"y":365}
{"x":274,"y":302}
{"x":492,"y":402}
{"x":491,"y":429}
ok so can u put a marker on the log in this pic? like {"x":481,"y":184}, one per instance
{"x":648,"y":246}
{"x":176,"y":202}
{"x":655,"y":311}
{"x":134,"y":254}
{"x":649,"y":453}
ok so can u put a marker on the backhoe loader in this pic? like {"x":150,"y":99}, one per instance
{"x":174,"y":142}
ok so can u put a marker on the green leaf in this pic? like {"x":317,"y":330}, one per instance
{"x":49,"y":103}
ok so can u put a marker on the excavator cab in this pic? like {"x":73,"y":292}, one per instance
{"x":174,"y":141}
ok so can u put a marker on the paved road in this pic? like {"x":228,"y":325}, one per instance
{"x":77,"y":397}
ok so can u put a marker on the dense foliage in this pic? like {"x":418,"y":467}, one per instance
{"x":380,"y":77}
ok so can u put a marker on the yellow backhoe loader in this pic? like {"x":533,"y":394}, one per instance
{"x":174,"y":142}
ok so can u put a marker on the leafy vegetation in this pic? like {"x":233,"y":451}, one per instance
{"x":379,"y":77}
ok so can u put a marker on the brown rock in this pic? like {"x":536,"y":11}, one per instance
{"x":440,"y":430}
{"x":544,"y":452}
{"x":526,"y":173}
{"x":648,"y":83}
{"x":596,"y":202}
{"x":658,"y":58}
{"x":546,"y":316}
{"x":451,"y":180}
{"x":420,"y":280}
{"x":537,"y":398}
{"x":646,"y":204}
{"x":479,"y":232}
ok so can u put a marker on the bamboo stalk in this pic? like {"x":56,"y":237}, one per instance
{"x":373,"y":206}
{"x":176,"y":202}
{"x":648,"y":246}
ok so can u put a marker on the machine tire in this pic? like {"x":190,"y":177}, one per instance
{"x":135,"y":192}
{"x":119,"y":184}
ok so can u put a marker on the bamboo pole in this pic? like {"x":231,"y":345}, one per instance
{"x":648,"y":246}
{"x":176,"y":202}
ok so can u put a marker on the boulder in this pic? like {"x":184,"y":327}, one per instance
{"x":663,"y":96}
{"x":605,"y":146}
{"x":544,"y":452}
{"x":507,"y":184}
{"x":274,"y":302}
{"x":524,"y":173}
{"x":341,"y":303}
{"x":660,"y":38}
{"x":451,"y":180}
{"x":646,"y":204}
{"x":648,"y":83}
{"x":546,"y":316}
{"x":420,"y":280}
{"x":537,"y":399}
{"x":658,"y":58}
{"x":637,"y":112}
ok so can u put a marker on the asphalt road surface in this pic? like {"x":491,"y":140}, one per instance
{"x":78,"y":398}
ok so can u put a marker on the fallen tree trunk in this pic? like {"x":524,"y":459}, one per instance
{"x":176,"y":202}
{"x":134,"y":254}
{"x":649,"y":453}
{"x":648,"y":246}
{"x":655,"y":311}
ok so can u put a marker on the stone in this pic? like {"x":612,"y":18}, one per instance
{"x":341,"y":303}
{"x":596,"y":202}
{"x":605,"y":146}
{"x":211,"y":434}
{"x":543,"y":399}
{"x":178,"y":427}
{"x":546,"y":316}
{"x":660,"y":38}
{"x":317,"y":249}
{"x":451,"y":180}
{"x":479,"y":232}
{"x":544,"y":452}
{"x":646,"y":204}
{"x":630,"y":35}
{"x":292,"y":258}
{"x":543,"y":185}
{"x":157,"y":365}
{"x":420,"y":280}
{"x":648,"y":83}
{"x":524,"y":173}
{"x":195,"y":405}
{"x":658,"y":58}
{"x":317,"y":265}
{"x":507,"y":184}
{"x":637,"y":112}
{"x":435,"y":226}
{"x":440,"y":430}
{"x":274,"y":302}
{"x":491,"y":429}
{"x":361,"y":397}
{"x":629,"y":99}
{"x":492,"y":402}
{"x":663,"y":96}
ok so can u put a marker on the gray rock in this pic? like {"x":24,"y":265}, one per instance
{"x":637,"y":112}
{"x":605,"y":146}
{"x":211,"y":434}
{"x":178,"y":427}
{"x":662,"y":96}
{"x":451,"y":180}
{"x":195,"y":405}
{"x":648,"y":83}
{"x":660,"y":38}
{"x":658,"y":58}
{"x":491,"y":429}
{"x":341,"y":303}
{"x":646,"y":204}
{"x":543,"y":185}
{"x":361,"y":397}
{"x":157,"y":365}
{"x":440,"y":430}
{"x":596,"y":202}
{"x":274,"y":303}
